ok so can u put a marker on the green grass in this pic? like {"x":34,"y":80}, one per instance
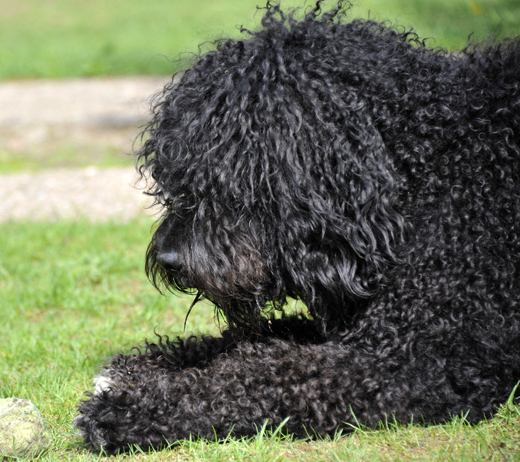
{"x":73,"y":294}
{"x":64,"y":154}
{"x":68,"y":152}
{"x":63,"y":38}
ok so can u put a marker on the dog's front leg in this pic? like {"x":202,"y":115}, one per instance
{"x":315,"y":386}
{"x":131,"y":390}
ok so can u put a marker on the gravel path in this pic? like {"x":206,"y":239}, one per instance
{"x":104,"y":111}
{"x":97,"y":194}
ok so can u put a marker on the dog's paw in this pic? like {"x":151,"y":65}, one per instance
{"x":103,"y":382}
{"x":86,"y":427}
{"x":87,"y":424}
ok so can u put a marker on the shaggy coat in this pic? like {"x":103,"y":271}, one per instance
{"x":347,"y":165}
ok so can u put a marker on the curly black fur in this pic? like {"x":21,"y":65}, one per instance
{"x":347,"y":165}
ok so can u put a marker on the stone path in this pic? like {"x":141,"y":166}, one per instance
{"x":104,"y":111}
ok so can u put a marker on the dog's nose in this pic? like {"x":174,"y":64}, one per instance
{"x":169,"y":260}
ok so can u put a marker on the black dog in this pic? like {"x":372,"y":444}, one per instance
{"x":347,"y":165}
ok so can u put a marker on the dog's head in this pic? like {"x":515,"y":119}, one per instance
{"x":274,"y":179}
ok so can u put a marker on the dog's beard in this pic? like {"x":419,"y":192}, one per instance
{"x":243,"y":296}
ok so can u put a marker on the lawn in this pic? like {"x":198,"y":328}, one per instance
{"x":64,"y":38}
{"x":73,"y":294}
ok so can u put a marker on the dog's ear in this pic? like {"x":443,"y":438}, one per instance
{"x":355,"y":233}
{"x":374,"y":228}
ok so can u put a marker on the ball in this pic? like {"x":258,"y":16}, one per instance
{"x":23,"y":430}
